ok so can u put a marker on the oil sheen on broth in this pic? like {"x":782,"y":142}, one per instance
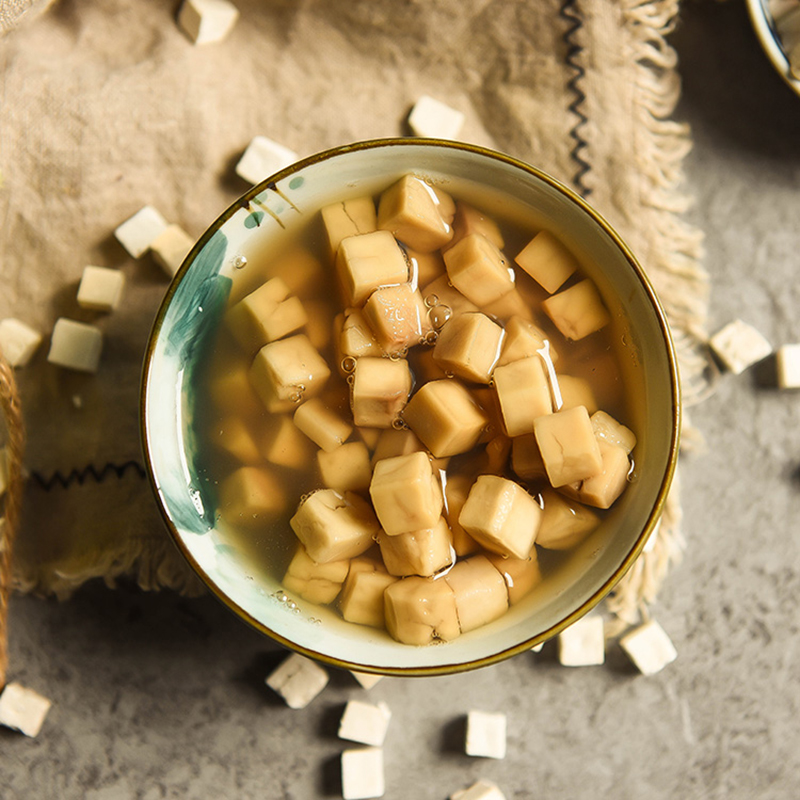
{"x":413,"y":412}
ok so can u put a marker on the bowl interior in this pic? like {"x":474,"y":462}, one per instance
{"x":269,"y":214}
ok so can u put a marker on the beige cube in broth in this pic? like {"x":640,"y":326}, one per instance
{"x":231,"y":391}
{"x":469,"y":346}
{"x":421,"y":611}
{"x":577,"y":311}
{"x":568,"y":446}
{"x":362,"y":597}
{"x":445,"y":300}
{"x":603,"y":489}
{"x":501,"y":516}
{"x":411,"y":211}
{"x":302,"y":272}
{"x":456,"y":490}
{"x":356,"y":339}
{"x":610,"y":430}
{"x":547,"y":261}
{"x":347,"y":468}
{"x":286,"y":372}
{"x":317,"y":583}
{"x":511,"y":304}
{"x":525,"y":339}
{"x":406,"y":493}
{"x":565,"y":522}
{"x":392,"y":442}
{"x":366,"y":262}
{"x":333,"y":526}
{"x":469,"y":219}
{"x":526,"y":458}
{"x":423,"y":552}
{"x":322,"y":425}
{"x":247,"y":320}
{"x":348,"y":218}
{"x":75,"y":345}
{"x":479,"y":270}
{"x":480,"y":592}
{"x":381,"y":387}
{"x":425,"y":267}
{"x":234,"y":435}
{"x":445,"y":417}
{"x":100,"y":288}
{"x":522,"y":575}
{"x":575,"y":391}
{"x":397,"y":317}
{"x":524,"y":394}
{"x":282,"y":443}
{"x":251,"y":496}
{"x":170,"y":248}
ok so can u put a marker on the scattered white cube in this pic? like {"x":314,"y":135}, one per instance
{"x":787,"y":366}
{"x":206,"y":21}
{"x":537,"y":648}
{"x":263,"y":158}
{"x":583,"y":644}
{"x":75,"y":345}
{"x":362,"y":773}
{"x":100,"y":288}
{"x":365,"y":723}
{"x":434,"y":119}
{"x":366,"y":679}
{"x":486,"y":734}
{"x":298,"y":680}
{"x":23,"y":709}
{"x":18,"y":341}
{"x":481,"y":790}
{"x":137,"y":232}
{"x":170,"y":247}
{"x":649,"y":647}
{"x":739,"y":346}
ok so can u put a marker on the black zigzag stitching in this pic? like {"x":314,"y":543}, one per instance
{"x":88,"y":473}
{"x":571,"y":15}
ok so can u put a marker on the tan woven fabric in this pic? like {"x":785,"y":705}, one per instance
{"x":108,"y":107}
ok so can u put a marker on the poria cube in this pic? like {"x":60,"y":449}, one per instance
{"x":317,"y":583}
{"x":568,"y":446}
{"x":348,"y":218}
{"x":479,"y":590}
{"x":368,"y":261}
{"x":469,"y":346}
{"x":421,"y":610}
{"x":577,"y":311}
{"x":523,"y":392}
{"x":381,"y":387}
{"x":397,"y":317}
{"x":479,"y":270}
{"x":547,"y":261}
{"x":362,"y":597}
{"x":250,"y":495}
{"x":423,"y":552}
{"x":565,"y":522}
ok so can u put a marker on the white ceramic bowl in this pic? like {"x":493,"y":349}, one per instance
{"x":768,"y":35}
{"x":269,"y":212}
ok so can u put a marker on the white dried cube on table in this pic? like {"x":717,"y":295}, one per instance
{"x":569,"y":448}
{"x":171,"y":247}
{"x":75,"y":345}
{"x":787,"y":366}
{"x":250,"y":496}
{"x":479,"y":270}
{"x":416,"y":214}
{"x":479,"y":590}
{"x":317,"y":583}
{"x":23,"y":709}
{"x":381,"y":387}
{"x":138,"y":232}
{"x":547,"y":261}
{"x":406,"y":494}
{"x":287,"y":371}
{"x":445,"y":417}
{"x":366,"y":679}
{"x":346,"y":468}
{"x":578,"y":311}
{"x":18,"y":341}
{"x":298,"y":680}
{"x":522,"y":575}
{"x":348,"y":218}
{"x":469,"y":346}
{"x":524,"y":339}
{"x":421,"y":610}
{"x":361,"y":600}
{"x":397,"y":317}
{"x":486,"y":734}
{"x":362,"y":773}
{"x":480,"y":790}
{"x":523,"y":392}
{"x":322,"y":425}
{"x":263,"y":157}
{"x":501,"y":516}
{"x":421,"y":552}
{"x":649,"y":647}
{"x":100,"y":288}
{"x":583,"y":644}
{"x":366,"y":262}
{"x":564,"y":522}
{"x":207,"y":21}
{"x":739,"y":346}
{"x":434,"y":119}
{"x":365,"y":723}
{"x":610,"y":430}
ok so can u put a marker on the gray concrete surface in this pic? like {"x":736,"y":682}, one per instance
{"x":161,"y":697}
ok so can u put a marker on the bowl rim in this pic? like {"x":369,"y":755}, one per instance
{"x":763,"y":24}
{"x":675,"y":394}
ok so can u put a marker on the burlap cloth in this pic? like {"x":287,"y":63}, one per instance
{"x":106,"y":107}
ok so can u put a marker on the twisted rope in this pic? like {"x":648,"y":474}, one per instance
{"x":12,"y":412}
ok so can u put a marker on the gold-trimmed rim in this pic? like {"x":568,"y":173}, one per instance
{"x":764,"y":26}
{"x":661,"y":497}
